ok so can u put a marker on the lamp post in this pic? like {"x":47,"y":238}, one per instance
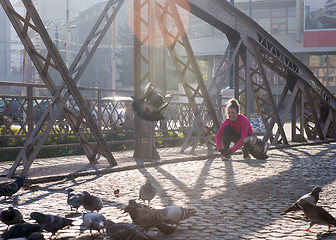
{"x":113,"y":32}
{"x":67,"y":34}
{"x":56,"y":30}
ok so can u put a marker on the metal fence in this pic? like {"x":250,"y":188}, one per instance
{"x":112,"y":110}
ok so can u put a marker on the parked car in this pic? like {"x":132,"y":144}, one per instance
{"x":13,"y":109}
{"x":2,"y":106}
{"x":39,"y":107}
{"x":113,"y":110}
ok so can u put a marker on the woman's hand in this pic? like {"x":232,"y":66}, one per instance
{"x":225,"y":152}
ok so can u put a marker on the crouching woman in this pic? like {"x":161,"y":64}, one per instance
{"x":235,"y":128}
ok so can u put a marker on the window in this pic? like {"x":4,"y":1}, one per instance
{"x":278,"y":13}
{"x":324,"y":68}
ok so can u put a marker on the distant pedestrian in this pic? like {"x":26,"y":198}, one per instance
{"x":88,"y":104}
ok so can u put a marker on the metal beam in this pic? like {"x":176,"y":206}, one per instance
{"x":54,"y":59}
{"x":236,"y":25}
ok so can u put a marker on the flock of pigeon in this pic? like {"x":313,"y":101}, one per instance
{"x":316,"y":214}
{"x":144,"y":217}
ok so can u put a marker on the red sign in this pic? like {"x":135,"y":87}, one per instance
{"x":319,"y":39}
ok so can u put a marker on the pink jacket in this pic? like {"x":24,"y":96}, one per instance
{"x":241,"y":125}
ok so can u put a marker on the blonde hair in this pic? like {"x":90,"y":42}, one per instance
{"x":232,"y":103}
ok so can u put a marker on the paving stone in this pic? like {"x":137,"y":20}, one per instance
{"x":235,"y":199}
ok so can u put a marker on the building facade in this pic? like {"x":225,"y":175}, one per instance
{"x":307,"y":28}
{"x":296,"y":24}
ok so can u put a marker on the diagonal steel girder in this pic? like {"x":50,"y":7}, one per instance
{"x":221,"y":71}
{"x":220,"y":76}
{"x":167,"y":12}
{"x":236,"y":25}
{"x":273,"y":60}
{"x":270,"y":99}
{"x":53,"y":59}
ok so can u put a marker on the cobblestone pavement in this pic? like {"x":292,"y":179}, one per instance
{"x":235,"y":199}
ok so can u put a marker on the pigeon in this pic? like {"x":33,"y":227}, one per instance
{"x":11,"y":188}
{"x":36,"y":236}
{"x":11,"y":216}
{"x":147,"y":191}
{"x":317,"y":215}
{"x":311,"y":197}
{"x":124,"y":231}
{"x":93,"y":221}
{"x":148,"y":218}
{"x":149,"y":107}
{"x":145,"y":112}
{"x":133,"y":203}
{"x":21,"y":230}
{"x":175,"y":214}
{"x":257,"y":147}
{"x":51,"y":223}
{"x":74,"y":199}
{"x":91,"y":202}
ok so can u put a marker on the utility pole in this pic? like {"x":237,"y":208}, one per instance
{"x":113,"y":33}
{"x":67,"y":35}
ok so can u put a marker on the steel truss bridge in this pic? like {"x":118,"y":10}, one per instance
{"x":251,"y":53}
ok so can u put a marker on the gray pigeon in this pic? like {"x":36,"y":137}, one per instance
{"x":11,"y":216}
{"x":255,"y":146}
{"x":151,"y":104}
{"x":311,"y":197}
{"x":11,"y":188}
{"x":148,"y":218}
{"x":21,"y":230}
{"x":317,"y":215}
{"x":147,"y":191}
{"x":51,"y":223}
{"x":124,"y":231}
{"x":175,"y":214}
{"x":91,"y":202}
{"x":133,"y":203}
{"x":93,"y":221}
{"x":74,"y":200}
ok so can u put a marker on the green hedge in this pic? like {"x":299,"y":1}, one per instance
{"x":77,"y":150}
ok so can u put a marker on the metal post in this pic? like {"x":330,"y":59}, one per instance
{"x":248,"y":96}
{"x":113,"y":32}
{"x":30,"y":94}
{"x":299,"y":14}
{"x":137,"y":75}
{"x":250,"y":9}
{"x":67,"y":34}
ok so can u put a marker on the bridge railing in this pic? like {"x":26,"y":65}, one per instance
{"x":23,"y":104}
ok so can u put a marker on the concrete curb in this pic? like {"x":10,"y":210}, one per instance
{"x":157,"y":163}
